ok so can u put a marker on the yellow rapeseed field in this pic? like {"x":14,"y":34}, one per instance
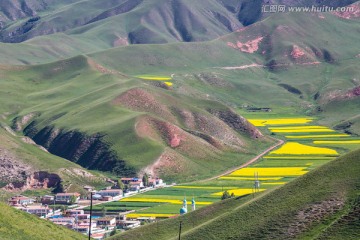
{"x":169,"y":83}
{"x":158,"y":200}
{"x":249,"y":178}
{"x":238,"y":192}
{"x":279,"y":121}
{"x":319,"y":136}
{"x":202,"y":187}
{"x":294,"y":148}
{"x":308,"y":130}
{"x":338,"y":142}
{"x":300,"y":158}
{"x":155,"y":78}
{"x":298,"y":127}
{"x":275,"y":171}
{"x":154,"y":215}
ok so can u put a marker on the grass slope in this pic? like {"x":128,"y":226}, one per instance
{"x":274,"y":214}
{"x":128,"y":114}
{"x":16,"y":224}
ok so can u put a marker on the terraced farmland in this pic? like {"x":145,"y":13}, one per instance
{"x":300,"y":154}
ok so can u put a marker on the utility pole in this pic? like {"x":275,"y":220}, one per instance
{"x":91,"y":197}
{"x":180,"y":231}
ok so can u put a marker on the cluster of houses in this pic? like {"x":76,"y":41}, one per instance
{"x":136,"y":184}
{"x":79,"y":220}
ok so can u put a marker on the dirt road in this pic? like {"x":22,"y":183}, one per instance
{"x":279,"y":143}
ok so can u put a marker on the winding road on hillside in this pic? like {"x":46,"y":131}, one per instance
{"x":279,"y":143}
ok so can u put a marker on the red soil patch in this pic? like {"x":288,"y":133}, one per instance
{"x":355,"y":92}
{"x":188,"y":118}
{"x":250,"y":46}
{"x":218,"y":129}
{"x":169,"y":162}
{"x":350,"y":14}
{"x":142,"y":100}
{"x":121,"y":42}
{"x":172,"y":134}
{"x":297,"y":52}
{"x":144,"y":128}
{"x":175,"y":141}
{"x":241,"y":29}
{"x":341,"y":95}
{"x":101,"y":68}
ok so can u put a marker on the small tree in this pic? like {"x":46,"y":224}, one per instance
{"x":225,"y":195}
{"x":103,"y":211}
{"x":113,"y":232}
{"x":145,"y":180}
{"x":73,"y":199}
{"x":120,"y":184}
{"x":63,"y":210}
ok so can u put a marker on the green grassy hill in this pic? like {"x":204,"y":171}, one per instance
{"x":16,"y":224}
{"x":323,"y":204}
{"x":61,"y":29}
{"x":101,"y":119}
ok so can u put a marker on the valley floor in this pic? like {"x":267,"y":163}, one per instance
{"x":307,"y":147}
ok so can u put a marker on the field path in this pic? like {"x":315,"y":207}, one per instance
{"x":279,"y":143}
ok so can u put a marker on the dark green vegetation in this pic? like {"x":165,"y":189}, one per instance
{"x":323,"y":204}
{"x":19,"y":225}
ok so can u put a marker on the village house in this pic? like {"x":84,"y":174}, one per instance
{"x":135,"y":186}
{"x":106,"y":222}
{"x":83,"y":216}
{"x":156,"y":182}
{"x":47,"y":199}
{"x":98,"y":234}
{"x":128,"y":180}
{"x":107,"y":198}
{"x":65,"y":221}
{"x":110,"y":193}
{"x":81,"y":229}
{"x":75,"y":212}
{"x":125,"y":224}
{"x":146,"y":219}
{"x":128,"y":224}
{"x":39,"y":210}
{"x":85,"y":223}
{"x":66,"y":197}
{"x":20,"y":200}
